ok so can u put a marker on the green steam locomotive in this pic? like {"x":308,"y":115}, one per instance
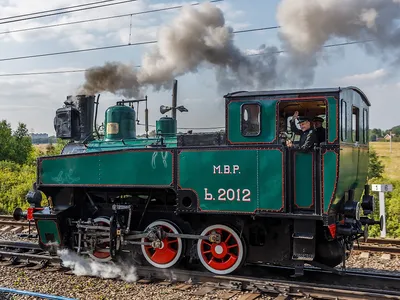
{"x":219,"y":200}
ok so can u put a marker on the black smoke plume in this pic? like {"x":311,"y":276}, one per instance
{"x":197,"y":37}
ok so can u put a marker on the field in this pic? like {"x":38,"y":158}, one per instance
{"x":390,"y":160}
{"x":41,"y":147}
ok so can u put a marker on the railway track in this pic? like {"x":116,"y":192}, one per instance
{"x":22,"y":227}
{"x":390,"y":246}
{"x":255,"y":280}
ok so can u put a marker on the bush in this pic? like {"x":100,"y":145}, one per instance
{"x":16,"y":180}
{"x":375,"y":167}
{"x":392,"y":208}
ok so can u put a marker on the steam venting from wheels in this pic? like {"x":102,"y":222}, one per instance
{"x":199,"y":37}
{"x":81,"y":266}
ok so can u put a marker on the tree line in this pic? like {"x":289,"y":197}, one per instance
{"x":18,"y":165}
{"x":376,"y":134}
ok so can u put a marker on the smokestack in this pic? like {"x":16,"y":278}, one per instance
{"x":85,"y":106}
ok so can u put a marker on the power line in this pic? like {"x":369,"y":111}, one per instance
{"x":100,"y":19}
{"x":67,"y":12}
{"x":56,"y":9}
{"x":107,"y":47}
{"x":77,"y":51}
{"x":43,"y":73}
{"x":128,"y":45}
{"x":325,"y":46}
{"x":257,"y":29}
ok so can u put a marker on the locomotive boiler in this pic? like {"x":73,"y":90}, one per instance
{"x":220,"y":200}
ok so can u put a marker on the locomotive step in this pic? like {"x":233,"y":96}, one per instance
{"x":303,"y":235}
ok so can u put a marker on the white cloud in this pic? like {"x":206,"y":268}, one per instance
{"x":373,"y":77}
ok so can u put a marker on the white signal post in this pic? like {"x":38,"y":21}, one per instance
{"x":382,"y":189}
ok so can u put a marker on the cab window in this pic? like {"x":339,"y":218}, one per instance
{"x":365,"y":126}
{"x":355,"y":127}
{"x":250,"y":120}
{"x":344,"y":120}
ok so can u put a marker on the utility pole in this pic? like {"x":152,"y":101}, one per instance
{"x":390,"y":132}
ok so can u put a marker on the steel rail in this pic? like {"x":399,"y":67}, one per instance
{"x":334,"y":286}
{"x":382,"y":241}
{"x":30,"y":256}
{"x":16,"y":223}
{"x":19,"y":245}
{"x":380,"y":249}
{"x":6,"y":217}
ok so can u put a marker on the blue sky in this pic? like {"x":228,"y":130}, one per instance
{"x":34,"y":99}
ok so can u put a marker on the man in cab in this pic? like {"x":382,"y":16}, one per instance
{"x":319,"y":130}
{"x":308,"y":136}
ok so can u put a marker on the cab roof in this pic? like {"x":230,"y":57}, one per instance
{"x":297,"y":92}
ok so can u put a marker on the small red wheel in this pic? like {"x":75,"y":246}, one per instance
{"x":102,"y":251}
{"x":224,"y":257}
{"x":171,"y":247}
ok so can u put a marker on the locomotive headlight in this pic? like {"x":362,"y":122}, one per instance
{"x":352,"y":210}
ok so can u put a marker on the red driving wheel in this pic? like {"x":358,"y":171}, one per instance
{"x":224,"y":257}
{"x":102,"y":250}
{"x":171,"y":247}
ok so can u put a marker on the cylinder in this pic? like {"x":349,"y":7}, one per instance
{"x":166,"y":126}
{"x":120,"y":123}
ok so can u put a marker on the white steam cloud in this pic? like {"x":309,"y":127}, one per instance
{"x":308,"y":24}
{"x":88,"y":267}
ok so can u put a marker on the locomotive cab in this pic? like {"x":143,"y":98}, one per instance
{"x":327,"y":181}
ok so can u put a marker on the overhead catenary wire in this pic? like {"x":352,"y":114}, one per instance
{"x":66,"y":12}
{"x":100,"y":18}
{"x":77,"y":51}
{"x":55,"y":9}
{"x":138,"y":66}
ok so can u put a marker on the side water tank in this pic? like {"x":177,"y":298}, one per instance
{"x":120,"y":123}
{"x":166,"y":126}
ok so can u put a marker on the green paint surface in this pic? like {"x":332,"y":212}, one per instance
{"x":270,"y":179}
{"x":101,"y":145}
{"x":118,"y":168}
{"x":303,"y":179}
{"x":48,"y":231}
{"x":332,"y":119}
{"x":268,"y":122}
{"x":348,"y":169}
{"x":233,"y":180}
{"x":330,"y":161}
